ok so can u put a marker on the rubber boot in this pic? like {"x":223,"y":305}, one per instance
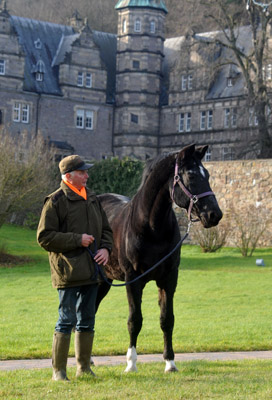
{"x":61,"y":344}
{"x":83,"y":350}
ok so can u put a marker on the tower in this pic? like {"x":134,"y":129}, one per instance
{"x":140,"y":41}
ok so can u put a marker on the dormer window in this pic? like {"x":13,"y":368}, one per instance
{"x":38,"y":44}
{"x":2,"y":67}
{"x":230,"y":82}
{"x":39,"y":70}
{"x":137,"y":25}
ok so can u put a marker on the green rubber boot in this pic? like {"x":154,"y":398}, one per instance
{"x":83,"y":351}
{"x":61,"y":344}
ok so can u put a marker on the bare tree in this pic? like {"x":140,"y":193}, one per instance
{"x":27,"y":173}
{"x":252,"y":59}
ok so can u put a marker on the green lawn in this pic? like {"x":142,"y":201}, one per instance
{"x":223,"y":302}
{"x":244,"y":380}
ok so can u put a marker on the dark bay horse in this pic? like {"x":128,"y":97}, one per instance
{"x":145,"y":230}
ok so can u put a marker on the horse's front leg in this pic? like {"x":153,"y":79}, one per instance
{"x":167,"y":325}
{"x":135,"y":320}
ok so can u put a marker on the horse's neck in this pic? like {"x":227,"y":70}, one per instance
{"x":154,"y":202}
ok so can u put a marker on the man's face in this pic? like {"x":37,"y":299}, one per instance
{"x":79,"y":178}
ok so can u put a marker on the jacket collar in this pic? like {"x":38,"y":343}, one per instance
{"x":71,"y":195}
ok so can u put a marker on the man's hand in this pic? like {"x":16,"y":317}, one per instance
{"x":102,"y":256}
{"x":86,"y":240}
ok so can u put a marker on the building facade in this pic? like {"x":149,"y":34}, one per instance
{"x":131,"y":94}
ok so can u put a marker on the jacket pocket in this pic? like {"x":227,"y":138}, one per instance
{"x":77,"y":268}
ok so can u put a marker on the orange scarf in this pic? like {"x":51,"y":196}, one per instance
{"x":82,"y":192}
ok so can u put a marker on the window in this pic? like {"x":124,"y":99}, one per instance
{"x":203,"y":120}
{"x":25,"y":113}
{"x":227,"y":118}
{"x":124,"y":25}
{"x":80,"y":119}
{"x":84,"y":119}
{"x":267,"y":72}
{"x":89,"y":80}
{"x":39,"y":76}
{"x":137,"y":25}
{"x":152,"y":27}
{"x":21,"y":112}
{"x":38,"y":44}
{"x":185,"y":122}
{"x":2,"y":67}
{"x":186,"y":82}
{"x":134,"y":118}
{"x":136,"y":64}
{"x":208,"y":155}
{"x":89,"y":119}
{"x":234,"y":117}
{"x":230,"y":119}
{"x":80,"y":79}
{"x":229,"y":82}
{"x":206,"y":120}
{"x":253,"y":120}
{"x":210,"y":119}
{"x":190,"y":82}
{"x":85,"y":79}
{"x":227,"y":154}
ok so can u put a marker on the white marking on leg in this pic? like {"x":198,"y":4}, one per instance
{"x":131,"y":360}
{"x":170,"y":366}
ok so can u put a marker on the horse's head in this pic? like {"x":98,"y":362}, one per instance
{"x":191,"y":189}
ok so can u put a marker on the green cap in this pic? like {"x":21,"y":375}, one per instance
{"x":72,"y":163}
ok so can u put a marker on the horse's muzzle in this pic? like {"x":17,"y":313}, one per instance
{"x":210,"y":218}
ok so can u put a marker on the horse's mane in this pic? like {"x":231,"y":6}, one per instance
{"x":150,"y":165}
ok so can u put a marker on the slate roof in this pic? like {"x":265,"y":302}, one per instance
{"x":219,"y":88}
{"x":48,"y":44}
{"x":157,"y":4}
{"x":49,"y":36}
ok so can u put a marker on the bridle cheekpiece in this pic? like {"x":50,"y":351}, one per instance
{"x":193,"y":197}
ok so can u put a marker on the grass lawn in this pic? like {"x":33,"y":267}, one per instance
{"x":245,"y":380}
{"x":222,"y":302}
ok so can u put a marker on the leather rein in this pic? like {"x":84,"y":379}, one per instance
{"x":193,"y":199}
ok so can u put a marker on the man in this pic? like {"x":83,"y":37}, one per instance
{"x":72,"y":220}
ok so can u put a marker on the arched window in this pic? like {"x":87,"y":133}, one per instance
{"x":137,"y":25}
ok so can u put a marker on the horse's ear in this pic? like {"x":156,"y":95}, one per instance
{"x":201,"y":151}
{"x":186,"y":152}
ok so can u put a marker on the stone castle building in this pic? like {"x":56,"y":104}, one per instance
{"x":132,"y":94}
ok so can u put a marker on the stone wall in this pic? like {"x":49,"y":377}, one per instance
{"x":247,"y":185}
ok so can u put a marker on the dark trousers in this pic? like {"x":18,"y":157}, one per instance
{"x":77,"y":309}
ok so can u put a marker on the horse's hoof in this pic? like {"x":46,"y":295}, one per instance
{"x":170,"y":366}
{"x":131,"y":369}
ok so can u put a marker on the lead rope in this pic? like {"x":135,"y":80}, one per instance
{"x":99,"y":270}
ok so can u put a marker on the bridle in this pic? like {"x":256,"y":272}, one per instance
{"x":193,"y":197}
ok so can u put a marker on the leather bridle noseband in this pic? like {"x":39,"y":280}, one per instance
{"x":193,"y":197}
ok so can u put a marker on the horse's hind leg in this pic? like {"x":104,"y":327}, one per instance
{"x":167,"y":325}
{"x":135,"y":320}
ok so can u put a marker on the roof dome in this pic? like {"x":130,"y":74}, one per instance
{"x":156,"y":4}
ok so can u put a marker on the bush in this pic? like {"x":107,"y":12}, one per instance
{"x":248,"y":230}
{"x":116,"y":176}
{"x":212,"y":239}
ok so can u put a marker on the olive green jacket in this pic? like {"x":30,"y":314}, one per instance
{"x":64,"y":218}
